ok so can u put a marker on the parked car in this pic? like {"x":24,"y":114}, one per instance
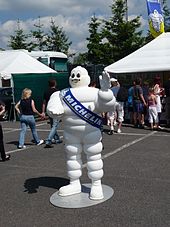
{"x":6,"y":97}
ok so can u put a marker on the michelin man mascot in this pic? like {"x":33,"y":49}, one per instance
{"x":81,"y":107}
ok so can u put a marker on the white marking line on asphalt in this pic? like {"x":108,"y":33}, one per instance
{"x":127,"y":145}
{"x":16,"y":150}
{"x":8,"y":130}
{"x":13,"y":130}
{"x":139,"y":134}
{"x":48,"y":130}
{"x":18,"y":129}
{"x":38,"y":130}
{"x":124,"y":146}
{"x":27,"y":147}
{"x":61,"y":130}
{"x":106,"y":155}
{"x":40,"y":124}
{"x":37,"y":125}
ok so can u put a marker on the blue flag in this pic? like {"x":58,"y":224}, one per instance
{"x":156,"y":20}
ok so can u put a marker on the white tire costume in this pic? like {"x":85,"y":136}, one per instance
{"x":79,"y":135}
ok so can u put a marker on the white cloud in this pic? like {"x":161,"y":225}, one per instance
{"x":75,"y":30}
{"x":72,"y":15}
{"x":65,"y":7}
{"x":4,"y":5}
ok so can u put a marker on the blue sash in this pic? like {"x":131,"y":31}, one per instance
{"x":81,"y":111}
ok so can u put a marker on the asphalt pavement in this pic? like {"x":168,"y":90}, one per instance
{"x":136,"y":167}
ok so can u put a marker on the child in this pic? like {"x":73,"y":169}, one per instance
{"x":153,"y":114}
{"x":111,"y":121}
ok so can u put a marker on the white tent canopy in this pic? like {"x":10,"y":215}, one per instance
{"x":18,"y":62}
{"x":153,"y":57}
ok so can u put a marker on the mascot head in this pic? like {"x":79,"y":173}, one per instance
{"x":79,"y":77}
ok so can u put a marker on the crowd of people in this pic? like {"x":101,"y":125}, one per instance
{"x":26,"y":110}
{"x":144,"y":104}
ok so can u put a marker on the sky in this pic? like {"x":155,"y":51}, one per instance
{"x":72,"y":15}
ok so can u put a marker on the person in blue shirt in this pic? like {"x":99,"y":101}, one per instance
{"x":138,"y":103}
{"x":130,"y":103}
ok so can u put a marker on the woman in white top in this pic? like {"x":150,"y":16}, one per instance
{"x":158,"y":91}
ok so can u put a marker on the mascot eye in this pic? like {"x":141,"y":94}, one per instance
{"x":73,"y":75}
{"x":78,"y":75}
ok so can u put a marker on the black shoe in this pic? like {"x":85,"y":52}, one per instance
{"x":48,"y":146}
{"x":141,"y":126}
{"x":33,"y":141}
{"x":136,"y":126}
{"x":7,"y":158}
{"x":59,"y":141}
{"x":111,"y":132}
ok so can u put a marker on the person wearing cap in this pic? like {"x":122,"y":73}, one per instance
{"x":113,"y":80}
{"x":115,"y":117}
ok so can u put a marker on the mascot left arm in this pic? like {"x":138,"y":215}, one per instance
{"x":55,"y":107}
{"x":105,"y":100}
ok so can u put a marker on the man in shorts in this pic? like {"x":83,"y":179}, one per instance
{"x":138,"y":103}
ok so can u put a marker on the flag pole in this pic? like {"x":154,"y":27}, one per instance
{"x":126,"y":10}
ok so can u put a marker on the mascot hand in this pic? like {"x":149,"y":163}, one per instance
{"x":55,"y":106}
{"x":104,"y":81}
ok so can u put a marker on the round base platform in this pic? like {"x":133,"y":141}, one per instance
{"x":82,"y":199}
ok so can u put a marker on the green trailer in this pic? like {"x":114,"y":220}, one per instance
{"x":38,"y":84}
{"x":19,"y":70}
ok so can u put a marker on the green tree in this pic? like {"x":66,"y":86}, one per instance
{"x":57,"y":39}
{"x":123,"y":35}
{"x":39,"y":37}
{"x":80,"y":59}
{"x":149,"y":37}
{"x":19,"y":39}
{"x":166,"y":14}
{"x":94,"y":54}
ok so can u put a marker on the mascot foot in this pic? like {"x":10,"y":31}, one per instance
{"x":73,"y":188}
{"x":96,"y":190}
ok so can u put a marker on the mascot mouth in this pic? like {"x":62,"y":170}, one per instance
{"x":75,"y":80}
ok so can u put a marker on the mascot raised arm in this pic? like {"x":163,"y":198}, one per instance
{"x":81,"y":107}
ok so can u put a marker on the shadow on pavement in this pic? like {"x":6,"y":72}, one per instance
{"x":13,"y":142}
{"x":31,"y":185}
